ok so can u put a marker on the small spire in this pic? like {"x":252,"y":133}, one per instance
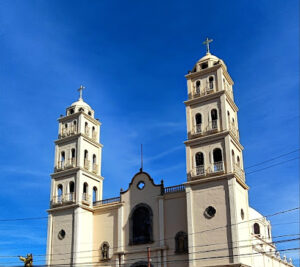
{"x":80,"y":91}
{"x":206,"y":42}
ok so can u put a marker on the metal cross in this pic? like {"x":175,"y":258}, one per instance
{"x":80,"y":91}
{"x":206,"y":42}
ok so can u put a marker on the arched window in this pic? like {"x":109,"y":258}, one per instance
{"x":72,"y":190}
{"x":73,"y":153}
{"x":75,"y":126}
{"x":198,"y":87}
{"x":59,"y":192}
{"x":211,"y":82}
{"x":94,"y":159}
{"x":256,"y":229}
{"x":181,"y":242}
{"x":86,"y":161}
{"x":214,"y":118}
{"x":72,"y":187}
{"x":218,"y":160}
{"x":198,"y":119}
{"x":62,"y":159}
{"x":94,"y":132}
{"x":105,"y":251}
{"x":86,"y":128}
{"x":233,"y":157}
{"x":85,"y":192}
{"x":199,"y":159}
{"x":238,"y":161}
{"x":94,"y":163}
{"x":85,"y":188}
{"x":141,"y":225}
{"x":95,"y":190}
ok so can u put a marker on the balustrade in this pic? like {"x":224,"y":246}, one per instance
{"x":174,"y":189}
{"x":86,"y":164}
{"x":238,"y":171}
{"x":199,"y":170}
{"x":95,"y":168}
{"x":218,"y":166}
{"x":106,"y":201}
{"x":198,"y":128}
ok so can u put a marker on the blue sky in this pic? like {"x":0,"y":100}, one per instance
{"x":132,"y":57}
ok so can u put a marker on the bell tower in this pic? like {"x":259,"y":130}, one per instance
{"x":75,"y":184}
{"x":217,"y":195}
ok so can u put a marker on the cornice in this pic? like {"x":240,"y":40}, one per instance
{"x":64,"y":173}
{"x":225,"y":176}
{"x":236,"y":141}
{"x":64,"y":207}
{"x":212,"y":137}
{"x":202,"y":72}
{"x":205,"y":98}
{"x":231,"y":102}
{"x":76,"y":136}
{"x":77,"y":114}
{"x":206,"y":138}
{"x":108,"y":206}
{"x":228,"y":77}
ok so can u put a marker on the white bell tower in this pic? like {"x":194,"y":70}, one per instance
{"x":75,"y":185}
{"x":217,"y":195}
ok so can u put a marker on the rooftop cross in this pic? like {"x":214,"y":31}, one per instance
{"x":80,"y":91}
{"x":206,"y":42}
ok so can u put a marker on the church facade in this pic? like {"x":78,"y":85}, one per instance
{"x":205,"y":221}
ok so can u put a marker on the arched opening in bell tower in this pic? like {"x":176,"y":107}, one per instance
{"x":199,"y":158}
{"x":198,"y":119}
{"x":214,"y":118}
{"x":218,"y":160}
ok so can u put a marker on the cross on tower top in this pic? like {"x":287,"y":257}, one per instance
{"x":80,"y":91}
{"x":206,"y":42}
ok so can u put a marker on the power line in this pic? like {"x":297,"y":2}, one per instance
{"x":279,"y":163}
{"x":271,"y":159}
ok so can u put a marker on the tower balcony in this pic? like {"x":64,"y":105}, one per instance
{"x":203,"y":92}
{"x":95,"y":168}
{"x":94,"y":135}
{"x":234,"y":130}
{"x":71,"y":163}
{"x":63,"y":199}
{"x":199,"y":129}
{"x":61,"y":165}
{"x":86,"y":164}
{"x":87,"y":130}
{"x":65,"y":132}
{"x":238,"y":171}
{"x":213,"y":169}
{"x":86,"y":199}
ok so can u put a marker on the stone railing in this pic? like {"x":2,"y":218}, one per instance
{"x":234,"y":130}
{"x":95,"y":168}
{"x":63,"y":199}
{"x":86,"y":164}
{"x":239,"y":172}
{"x":218,"y":166}
{"x":107,"y":201}
{"x":86,"y":198}
{"x":94,"y":135}
{"x":68,"y":131}
{"x":174,"y":189}
{"x":60,"y":165}
{"x":198,"y":128}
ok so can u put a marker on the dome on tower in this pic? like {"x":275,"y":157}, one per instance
{"x":208,"y":61}
{"x":80,"y":103}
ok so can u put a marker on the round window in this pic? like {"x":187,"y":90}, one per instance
{"x":210,"y":212}
{"x":141,"y":185}
{"x":61,"y":234}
